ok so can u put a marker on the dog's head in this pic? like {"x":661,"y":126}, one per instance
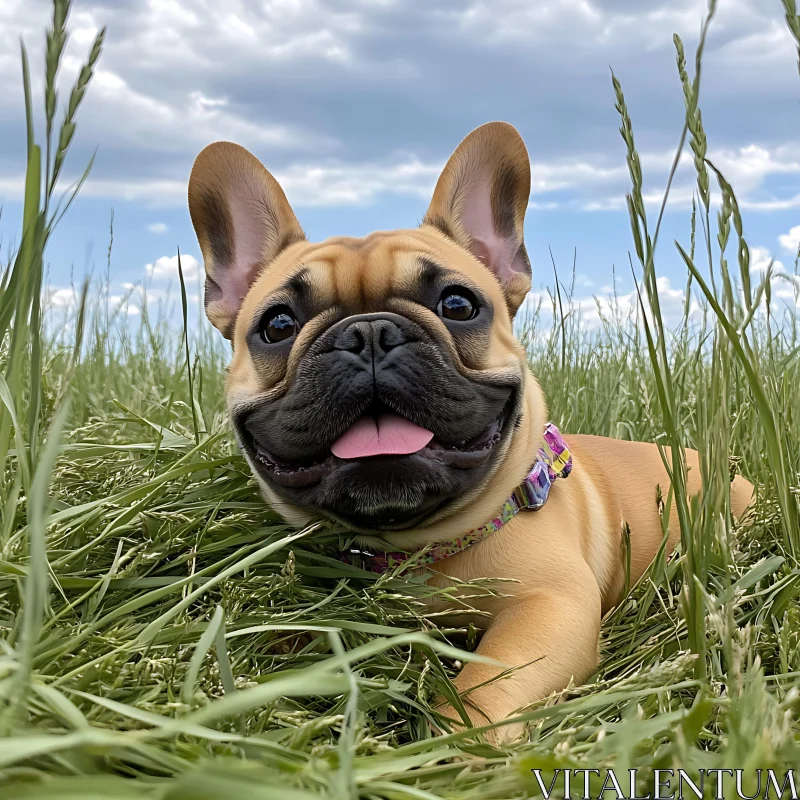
{"x":375,"y":380}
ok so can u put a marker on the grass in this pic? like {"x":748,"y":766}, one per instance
{"x":165,"y":635}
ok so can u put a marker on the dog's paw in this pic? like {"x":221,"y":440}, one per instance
{"x":500,"y":736}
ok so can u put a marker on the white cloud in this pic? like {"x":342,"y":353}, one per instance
{"x":333,"y":183}
{"x":787,"y":290}
{"x":159,"y":295}
{"x":158,"y":192}
{"x":790,"y":241}
{"x":12,"y":186}
{"x":273,"y":31}
{"x":584,"y":184}
{"x":760,"y":261}
{"x":276,"y":74}
{"x":747,"y":169}
{"x":754,"y":32}
{"x":509,"y":20}
{"x":138,"y":119}
{"x":605,"y":306}
{"x":123,"y":303}
{"x":166,"y":115}
{"x":773,"y":204}
{"x":64,"y":301}
{"x":591,"y":312}
{"x":166,"y":268}
{"x":783,"y":285}
{"x":62,"y":298}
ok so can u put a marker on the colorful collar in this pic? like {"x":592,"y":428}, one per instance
{"x":530,"y":495}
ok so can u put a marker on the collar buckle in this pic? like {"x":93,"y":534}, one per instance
{"x":532,"y":493}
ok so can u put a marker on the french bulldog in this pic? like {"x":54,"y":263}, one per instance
{"x":377,"y":382}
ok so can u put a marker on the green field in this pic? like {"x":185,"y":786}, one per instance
{"x":165,"y":635}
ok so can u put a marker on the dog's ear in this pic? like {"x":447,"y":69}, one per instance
{"x":242,"y":220}
{"x":480,"y":201}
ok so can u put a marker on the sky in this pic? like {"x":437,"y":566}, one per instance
{"x":355,"y":105}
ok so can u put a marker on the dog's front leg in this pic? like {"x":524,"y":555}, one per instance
{"x":549,"y":636}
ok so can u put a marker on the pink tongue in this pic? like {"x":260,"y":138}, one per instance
{"x":390,"y":436}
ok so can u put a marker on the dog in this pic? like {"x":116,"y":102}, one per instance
{"x":377,"y":382}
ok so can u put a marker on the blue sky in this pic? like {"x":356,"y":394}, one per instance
{"x":355,"y":105}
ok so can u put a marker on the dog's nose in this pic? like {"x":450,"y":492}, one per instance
{"x":371,"y":339}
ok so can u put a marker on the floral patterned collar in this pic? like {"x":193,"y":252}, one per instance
{"x":530,"y":495}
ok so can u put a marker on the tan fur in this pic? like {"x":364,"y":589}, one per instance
{"x":567,"y":564}
{"x":566,"y":560}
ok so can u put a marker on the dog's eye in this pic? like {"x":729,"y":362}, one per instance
{"x":458,"y":304}
{"x":277,"y":325}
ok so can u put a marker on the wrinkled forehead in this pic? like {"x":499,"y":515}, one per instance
{"x":358,"y":275}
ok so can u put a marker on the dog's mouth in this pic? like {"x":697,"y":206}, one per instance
{"x":381,"y":435}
